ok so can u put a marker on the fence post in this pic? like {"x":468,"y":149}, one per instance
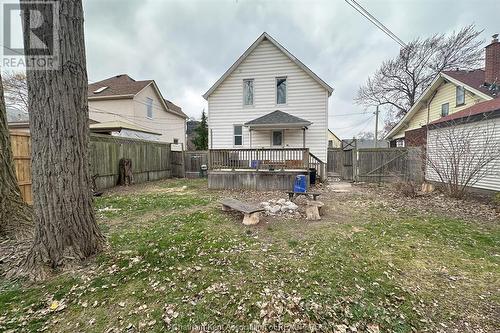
{"x":209,"y":159}
{"x":355,"y":170}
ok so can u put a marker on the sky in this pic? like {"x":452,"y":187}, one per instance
{"x":185,"y":46}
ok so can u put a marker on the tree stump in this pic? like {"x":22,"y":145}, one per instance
{"x":125,"y":176}
{"x":251,"y":219}
{"x":313,"y":210}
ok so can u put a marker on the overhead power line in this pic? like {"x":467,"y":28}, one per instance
{"x":360,"y":9}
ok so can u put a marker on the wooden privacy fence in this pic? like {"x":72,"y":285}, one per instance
{"x":150,"y":160}
{"x":21,"y":150}
{"x":389,"y":164}
{"x":376,"y":164}
{"x":178,"y":164}
{"x":193,"y":161}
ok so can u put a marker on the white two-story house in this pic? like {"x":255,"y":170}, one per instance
{"x":269,"y":99}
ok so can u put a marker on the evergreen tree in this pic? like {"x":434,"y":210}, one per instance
{"x":201,"y":139}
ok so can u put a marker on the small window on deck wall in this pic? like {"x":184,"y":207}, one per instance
{"x":277,"y":138}
{"x":460,"y":98}
{"x":445,"y":109}
{"x":238,"y":135}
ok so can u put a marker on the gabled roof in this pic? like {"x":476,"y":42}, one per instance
{"x":468,"y":79}
{"x":123,"y":86}
{"x":276,"y":119}
{"x":329,"y":130}
{"x":266,"y":36}
{"x":475,"y":110}
{"x":175,"y":109}
{"x":120,"y":85}
{"x":474,"y":79}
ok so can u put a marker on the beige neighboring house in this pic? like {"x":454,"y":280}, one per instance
{"x":333,"y":140}
{"x":450,"y":92}
{"x":135,"y":109}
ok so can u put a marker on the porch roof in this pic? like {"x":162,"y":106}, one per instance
{"x":278,"y":119}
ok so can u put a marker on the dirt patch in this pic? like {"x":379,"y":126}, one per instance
{"x":469,"y":209}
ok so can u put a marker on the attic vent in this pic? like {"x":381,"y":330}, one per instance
{"x":100,"y":90}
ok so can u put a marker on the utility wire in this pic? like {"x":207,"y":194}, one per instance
{"x":346,"y":114}
{"x":356,"y":125}
{"x":360,"y":9}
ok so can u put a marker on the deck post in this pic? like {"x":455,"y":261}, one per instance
{"x":304,"y":137}
{"x":257,"y":158}
{"x":305,"y":159}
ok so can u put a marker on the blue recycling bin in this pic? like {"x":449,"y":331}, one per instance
{"x":300,"y":184}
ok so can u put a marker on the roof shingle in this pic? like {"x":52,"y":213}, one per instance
{"x":278,"y":118}
{"x":117,"y":86}
{"x":473,"y":78}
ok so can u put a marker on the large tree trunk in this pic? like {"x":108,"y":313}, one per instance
{"x":15,"y":215}
{"x":65,"y":225}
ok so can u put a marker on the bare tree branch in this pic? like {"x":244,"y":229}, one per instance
{"x":462,"y":154}
{"x":400,"y":81}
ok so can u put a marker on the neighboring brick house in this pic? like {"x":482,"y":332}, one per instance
{"x":451,"y":92}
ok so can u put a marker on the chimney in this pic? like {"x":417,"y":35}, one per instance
{"x":492,"y":62}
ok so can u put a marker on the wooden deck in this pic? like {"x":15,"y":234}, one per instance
{"x":268,"y":159}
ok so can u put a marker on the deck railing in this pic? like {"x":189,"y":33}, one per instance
{"x":259,"y":159}
{"x":317,"y":164}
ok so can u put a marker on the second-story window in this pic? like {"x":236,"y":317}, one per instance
{"x":281,"y":90}
{"x":445,"y":109}
{"x":460,"y":95}
{"x":149,"y":108}
{"x":248,"y":92}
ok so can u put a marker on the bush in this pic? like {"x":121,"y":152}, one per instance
{"x":496,"y":201}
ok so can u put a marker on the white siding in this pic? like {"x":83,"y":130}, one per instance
{"x":482,"y":130}
{"x":306,"y":99}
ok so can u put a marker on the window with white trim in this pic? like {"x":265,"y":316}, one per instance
{"x":460,"y":98}
{"x":277,"y":138}
{"x":238,"y":135}
{"x":281,"y":90}
{"x":248,"y":92}
{"x":149,"y":108}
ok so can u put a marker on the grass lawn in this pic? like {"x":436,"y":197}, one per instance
{"x":176,"y":262}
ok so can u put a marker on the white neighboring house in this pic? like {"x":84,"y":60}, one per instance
{"x":121,"y":101}
{"x":465,"y":141}
{"x":269,"y":99}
